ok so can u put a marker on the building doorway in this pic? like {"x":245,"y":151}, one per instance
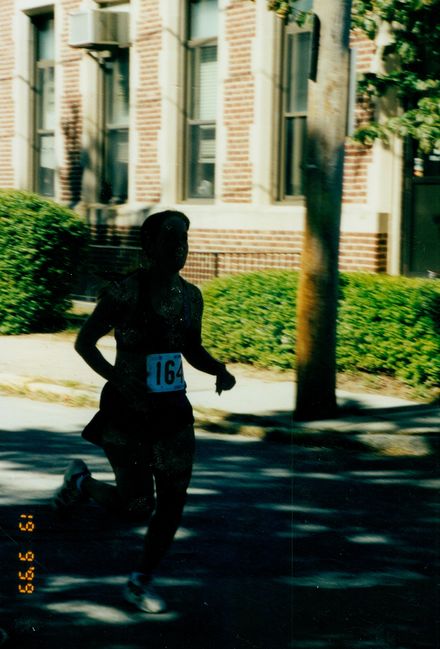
{"x":421,"y":231}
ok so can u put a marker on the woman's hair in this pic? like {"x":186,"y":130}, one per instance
{"x":150,"y":228}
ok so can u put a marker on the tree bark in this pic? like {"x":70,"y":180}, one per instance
{"x":318,"y":287}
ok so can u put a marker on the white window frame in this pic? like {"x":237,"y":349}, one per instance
{"x":107,"y":128}
{"x":193,"y":48}
{"x":38,"y":132}
{"x":283,"y":115}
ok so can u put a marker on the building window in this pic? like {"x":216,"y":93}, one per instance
{"x":201,"y":104}
{"x":293,"y":103}
{"x":116,"y":128}
{"x":44,"y":139}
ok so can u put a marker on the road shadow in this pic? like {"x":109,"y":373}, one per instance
{"x":352,"y":405}
{"x":354,"y":417}
{"x":280,"y":547}
{"x":221,"y":584}
{"x":366,"y":549}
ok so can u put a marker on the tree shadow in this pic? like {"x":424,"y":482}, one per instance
{"x":72,"y":174}
{"x":366,"y":558}
{"x":351,"y":429}
{"x":209,"y":579}
{"x":280,"y":547}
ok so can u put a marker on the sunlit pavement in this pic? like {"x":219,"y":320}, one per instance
{"x":47,"y":363}
{"x":364,"y":534}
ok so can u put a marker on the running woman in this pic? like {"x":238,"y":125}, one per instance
{"x":145,"y":421}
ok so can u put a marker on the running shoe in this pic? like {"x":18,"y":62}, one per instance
{"x":68,"y":494}
{"x":143,"y":595}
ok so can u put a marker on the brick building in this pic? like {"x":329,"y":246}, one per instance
{"x":117,"y":108}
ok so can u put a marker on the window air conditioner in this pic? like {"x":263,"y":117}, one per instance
{"x":98,"y":29}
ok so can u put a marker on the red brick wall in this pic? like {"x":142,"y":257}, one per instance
{"x":241,"y":250}
{"x":215,"y":253}
{"x":242,"y":240}
{"x":363,"y":252}
{"x":239,"y":102}
{"x":357,"y":157}
{"x":147,"y":102}
{"x":357,"y":160}
{"x":366,"y":49}
{"x":71,"y":109}
{"x":6,"y":94}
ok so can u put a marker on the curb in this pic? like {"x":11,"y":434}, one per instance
{"x":371,"y":429}
{"x":262,"y":426}
{"x":209,"y":419}
{"x":392,"y":443}
{"x":42,"y":389}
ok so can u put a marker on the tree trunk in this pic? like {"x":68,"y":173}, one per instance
{"x":318,"y":287}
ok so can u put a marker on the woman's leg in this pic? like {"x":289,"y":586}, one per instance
{"x":172,"y":467}
{"x":102,"y":493}
{"x":134,"y":490}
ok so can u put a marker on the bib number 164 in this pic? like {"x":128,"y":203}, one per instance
{"x":165,"y":372}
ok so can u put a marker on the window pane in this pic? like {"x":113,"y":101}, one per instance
{"x":117,"y":165}
{"x":46,"y":98}
{"x":204,"y":89}
{"x":117,"y":90}
{"x":303,"y":5}
{"x":298,"y":62}
{"x":295,"y":134}
{"x":116,"y":120}
{"x":46,"y":165}
{"x":202,"y":159}
{"x":203,"y":18}
{"x":45,"y":39}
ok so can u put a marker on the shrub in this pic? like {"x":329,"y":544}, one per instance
{"x":390,"y":325}
{"x":386,"y":324}
{"x":40,"y":245}
{"x":250,"y":318}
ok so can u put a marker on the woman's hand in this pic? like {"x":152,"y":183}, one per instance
{"x":224,"y":381}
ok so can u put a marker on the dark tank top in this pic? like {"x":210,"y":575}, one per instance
{"x":140,"y":331}
{"x":143,"y":331}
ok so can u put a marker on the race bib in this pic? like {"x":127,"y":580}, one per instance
{"x":165,"y":372}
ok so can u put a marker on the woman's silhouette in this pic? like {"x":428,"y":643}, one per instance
{"x":145,"y":421}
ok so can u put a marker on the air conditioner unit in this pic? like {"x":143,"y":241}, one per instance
{"x":98,"y":29}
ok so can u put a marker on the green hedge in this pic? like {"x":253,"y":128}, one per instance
{"x":390,"y":325}
{"x":40,"y":246}
{"x":250,"y":318}
{"x":386,"y":324}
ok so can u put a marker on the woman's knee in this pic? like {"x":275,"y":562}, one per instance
{"x":138,"y":509}
{"x":173,"y":455}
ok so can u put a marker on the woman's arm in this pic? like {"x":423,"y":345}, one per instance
{"x":95,"y":327}
{"x":202,"y":360}
{"x":100,"y":323}
{"x":197,"y":355}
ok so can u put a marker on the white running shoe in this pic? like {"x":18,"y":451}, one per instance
{"x":68,"y":494}
{"x":143,"y":595}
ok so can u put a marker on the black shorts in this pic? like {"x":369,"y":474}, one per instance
{"x":116,"y":423}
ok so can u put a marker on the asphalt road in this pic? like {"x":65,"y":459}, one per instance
{"x":355,"y":567}
{"x":226,"y":580}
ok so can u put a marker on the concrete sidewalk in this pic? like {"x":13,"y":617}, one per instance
{"x":46,"y":366}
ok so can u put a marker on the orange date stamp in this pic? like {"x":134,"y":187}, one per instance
{"x":26,"y":574}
